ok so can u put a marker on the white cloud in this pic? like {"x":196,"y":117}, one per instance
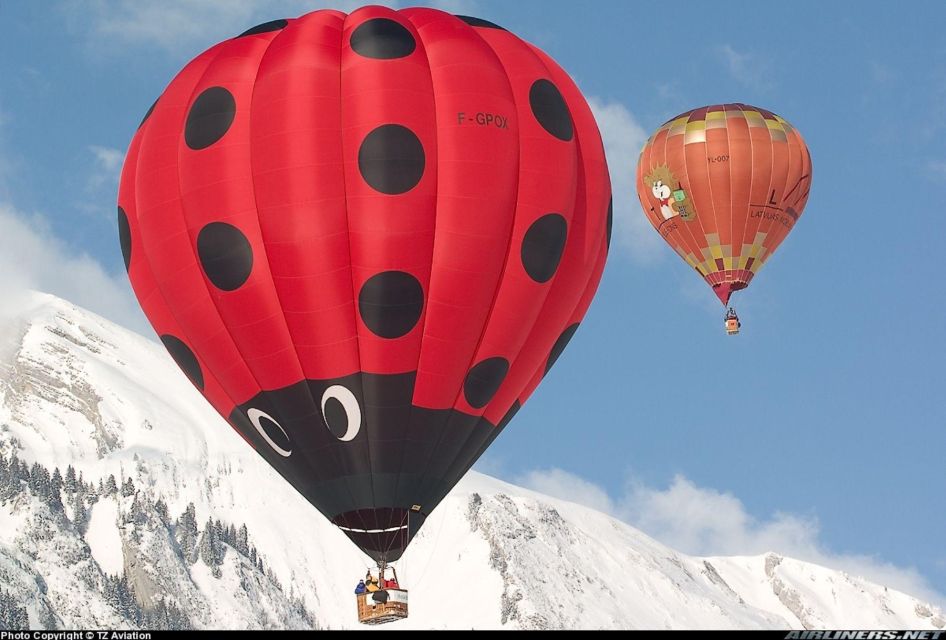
{"x":623,"y":139}
{"x":107,"y":167}
{"x":461,"y":7}
{"x":177,"y":24}
{"x":191,"y":25}
{"x":33,"y":258}
{"x":562,"y":484}
{"x":705,"y":522}
{"x":747,"y":68}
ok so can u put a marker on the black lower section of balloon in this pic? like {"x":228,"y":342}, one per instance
{"x":400,"y":459}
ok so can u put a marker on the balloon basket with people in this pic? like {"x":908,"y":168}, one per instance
{"x":380,"y":599}
{"x":732,"y":322}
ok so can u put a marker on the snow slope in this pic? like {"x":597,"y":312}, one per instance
{"x":77,"y":389}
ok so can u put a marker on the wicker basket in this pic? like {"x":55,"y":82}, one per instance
{"x":370,"y":612}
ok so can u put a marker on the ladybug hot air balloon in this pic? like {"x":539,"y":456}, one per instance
{"x":365,"y":239}
{"x":724,"y":185}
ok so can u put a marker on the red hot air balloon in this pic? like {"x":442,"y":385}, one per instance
{"x":724,"y":185}
{"x":365,"y":239}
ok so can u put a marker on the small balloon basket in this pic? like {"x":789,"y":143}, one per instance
{"x":382,"y":606}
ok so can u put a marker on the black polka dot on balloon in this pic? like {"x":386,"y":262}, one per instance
{"x":225,"y":255}
{"x":124,"y":236}
{"x":549,"y":108}
{"x":560,"y":345}
{"x":148,"y":114}
{"x":272,"y":25}
{"x":479,"y":22}
{"x":391,"y":159}
{"x":210,"y":118}
{"x":336,"y":418}
{"x":483,"y":381}
{"x":391,"y":303}
{"x":610,"y":219}
{"x":543,"y":245}
{"x":382,"y":39}
{"x":185,"y":359}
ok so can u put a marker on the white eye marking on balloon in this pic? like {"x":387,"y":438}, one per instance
{"x":352,"y":411}
{"x":255,"y":415}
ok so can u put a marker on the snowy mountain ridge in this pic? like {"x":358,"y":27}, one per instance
{"x":79,"y":391}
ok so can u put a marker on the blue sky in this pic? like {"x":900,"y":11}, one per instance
{"x":819,"y":432}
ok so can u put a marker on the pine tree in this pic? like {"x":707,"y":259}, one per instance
{"x":243,"y":541}
{"x":80,"y":516}
{"x":211,"y":549}
{"x":127,"y":604}
{"x":128,"y":488}
{"x":110,"y":591}
{"x":20,"y":470}
{"x":111,"y":487}
{"x":39,"y":481}
{"x":55,"y":481}
{"x":161,"y":508}
{"x":186,"y":533}
{"x":54,"y":500}
{"x":12,"y":616}
{"x":206,"y":545}
{"x":6,"y":480}
{"x":70,"y":482}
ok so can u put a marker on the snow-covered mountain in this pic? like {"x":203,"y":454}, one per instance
{"x":77,"y":550}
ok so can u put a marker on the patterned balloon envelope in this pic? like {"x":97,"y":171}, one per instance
{"x":365,"y":239}
{"x":724,"y":185}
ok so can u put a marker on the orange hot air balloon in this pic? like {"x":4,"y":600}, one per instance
{"x":724,"y":185}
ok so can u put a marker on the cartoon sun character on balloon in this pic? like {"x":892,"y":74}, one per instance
{"x":671,"y":196}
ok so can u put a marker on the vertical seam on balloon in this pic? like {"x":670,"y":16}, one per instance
{"x":752,"y":178}
{"x":308,"y":391}
{"x":704,"y":159}
{"x":157,"y":284}
{"x":599,"y":255}
{"x":762,"y":224}
{"x":688,"y":237}
{"x":547,"y":285}
{"x":699,"y":217}
{"x":602,"y":239}
{"x":146,"y":263}
{"x":481,"y":418}
{"x":788,"y":174}
{"x":570,"y":318}
{"x":808,"y":168}
{"x":423,"y":319}
{"x":745,"y":207}
{"x":191,"y":244}
{"x":351,"y":270}
{"x":765,"y":194}
{"x":735,"y":249}
{"x":502,"y":272}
